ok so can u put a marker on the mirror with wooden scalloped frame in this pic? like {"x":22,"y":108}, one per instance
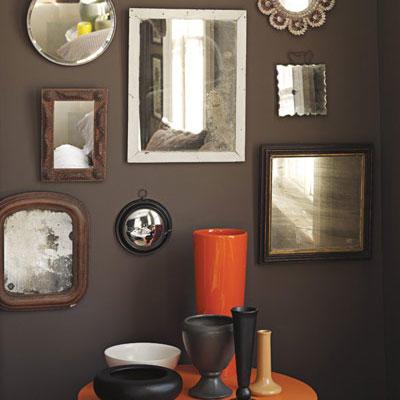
{"x":296,"y":15}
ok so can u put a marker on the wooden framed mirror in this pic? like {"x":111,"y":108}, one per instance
{"x":44,"y":240}
{"x":74,"y":135}
{"x":316,"y":202}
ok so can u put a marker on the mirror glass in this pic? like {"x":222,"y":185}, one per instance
{"x":317,"y":204}
{"x":38,"y":252}
{"x":73,"y":134}
{"x":144,"y":228}
{"x":302,"y":90}
{"x":295,"y":5}
{"x":188,"y":79}
{"x":71,"y":32}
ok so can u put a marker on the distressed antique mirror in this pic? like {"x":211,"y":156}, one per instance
{"x":74,"y":134}
{"x":44,"y":251}
{"x":316,"y":202}
{"x":187,"y":86}
{"x":302,"y":90}
{"x":71,"y":32}
{"x":143,"y":225}
{"x":296,"y":15}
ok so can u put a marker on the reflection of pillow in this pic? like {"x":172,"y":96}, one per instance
{"x":84,"y":46}
{"x":171,"y":140}
{"x":86,"y":128}
{"x":68,"y":156}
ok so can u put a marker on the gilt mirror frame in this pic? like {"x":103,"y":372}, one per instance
{"x":267,"y":154}
{"x":135,"y":152}
{"x":297,"y":23}
{"x":95,"y":173}
{"x":56,"y":202}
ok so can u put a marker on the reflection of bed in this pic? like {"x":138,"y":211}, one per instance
{"x":69,"y":156}
{"x":173,"y":140}
{"x":51,"y":35}
{"x":84,"y":46}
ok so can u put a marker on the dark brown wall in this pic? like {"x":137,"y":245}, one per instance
{"x":390,"y":117}
{"x":326,"y":317}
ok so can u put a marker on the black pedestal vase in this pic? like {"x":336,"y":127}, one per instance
{"x":244,"y":325}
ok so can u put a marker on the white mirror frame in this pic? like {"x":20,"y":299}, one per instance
{"x":135,"y":153}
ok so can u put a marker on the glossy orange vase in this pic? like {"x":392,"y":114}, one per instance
{"x":220,"y":257}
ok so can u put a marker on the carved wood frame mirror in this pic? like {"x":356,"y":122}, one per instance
{"x":74,"y":135}
{"x":44,"y":240}
{"x":294,"y":15}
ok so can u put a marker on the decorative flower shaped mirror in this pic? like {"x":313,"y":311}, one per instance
{"x":296,"y":15}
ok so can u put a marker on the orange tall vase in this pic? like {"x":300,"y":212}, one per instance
{"x":220,"y":257}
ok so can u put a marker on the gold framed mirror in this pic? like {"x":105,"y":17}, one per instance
{"x":296,"y":15}
{"x":316,"y":202}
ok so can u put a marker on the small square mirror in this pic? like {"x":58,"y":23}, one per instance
{"x":302,"y":90}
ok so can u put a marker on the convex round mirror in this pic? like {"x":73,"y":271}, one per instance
{"x":71,"y":32}
{"x":296,"y":15}
{"x":143,"y":226}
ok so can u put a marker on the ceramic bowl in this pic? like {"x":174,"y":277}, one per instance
{"x":138,"y":382}
{"x":158,"y":354}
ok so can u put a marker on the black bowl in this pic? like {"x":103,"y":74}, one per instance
{"x":138,"y":382}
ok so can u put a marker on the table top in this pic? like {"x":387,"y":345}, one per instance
{"x":292,"y":389}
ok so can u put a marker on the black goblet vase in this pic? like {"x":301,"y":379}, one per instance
{"x":208,"y":340}
{"x":244,"y":323}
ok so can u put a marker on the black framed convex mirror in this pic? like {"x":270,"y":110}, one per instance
{"x":143,"y":226}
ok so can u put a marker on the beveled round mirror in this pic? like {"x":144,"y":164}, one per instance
{"x":71,"y":32}
{"x":296,"y":15}
{"x":143,"y":226}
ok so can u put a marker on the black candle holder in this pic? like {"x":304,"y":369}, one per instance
{"x":244,"y":325}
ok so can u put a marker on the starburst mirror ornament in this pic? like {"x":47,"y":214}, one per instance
{"x":296,"y":15}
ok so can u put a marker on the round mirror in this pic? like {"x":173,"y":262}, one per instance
{"x":71,"y":32}
{"x":295,"y":5}
{"x":143,"y":226}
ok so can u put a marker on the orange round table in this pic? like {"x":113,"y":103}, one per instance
{"x":292,"y":389}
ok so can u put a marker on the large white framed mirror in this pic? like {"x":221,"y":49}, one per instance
{"x":187,"y":85}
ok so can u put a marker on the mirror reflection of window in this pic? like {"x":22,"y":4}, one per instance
{"x":184,"y":67}
{"x":188,"y":82}
{"x":73,"y":134}
{"x":295,"y":5}
{"x":302,"y":90}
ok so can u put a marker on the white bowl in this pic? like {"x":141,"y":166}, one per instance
{"x":162,"y":355}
